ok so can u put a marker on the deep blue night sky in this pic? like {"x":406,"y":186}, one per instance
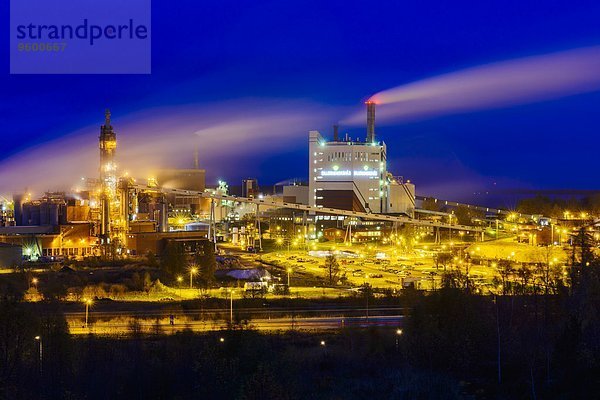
{"x":338,"y":53}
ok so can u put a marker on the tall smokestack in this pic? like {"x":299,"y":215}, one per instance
{"x":335,"y":133}
{"x":370,"y":121}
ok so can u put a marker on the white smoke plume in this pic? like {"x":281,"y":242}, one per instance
{"x":501,"y":84}
{"x":167,"y":137}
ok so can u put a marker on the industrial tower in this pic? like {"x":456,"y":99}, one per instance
{"x":109,"y":202}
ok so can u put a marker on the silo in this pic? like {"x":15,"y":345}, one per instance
{"x":163,"y":217}
{"x":18,"y":211}
{"x":45,"y":213}
{"x":53,"y":212}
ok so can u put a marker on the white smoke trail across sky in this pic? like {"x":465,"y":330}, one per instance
{"x":167,"y":137}
{"x":501,"y":84}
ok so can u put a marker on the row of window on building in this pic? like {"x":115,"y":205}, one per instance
{"x":347,"y":156}
{"x":67,"y":251}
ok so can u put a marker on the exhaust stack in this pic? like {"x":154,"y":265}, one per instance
{"x":370,"y":121}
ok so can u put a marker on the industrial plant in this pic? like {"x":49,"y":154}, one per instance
{"x":349,"y":192}
{"x":112,"y":216}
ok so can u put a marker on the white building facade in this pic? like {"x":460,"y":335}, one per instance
{"x":352,"y":175}
{"x":355,"y":170}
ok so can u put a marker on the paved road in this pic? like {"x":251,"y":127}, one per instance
{"x":258,"y":319}
{"x":276,"y":324}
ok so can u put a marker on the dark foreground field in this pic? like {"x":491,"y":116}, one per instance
{"x":453,"y":345}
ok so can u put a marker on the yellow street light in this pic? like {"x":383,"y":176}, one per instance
{"x":39,"y":340}
{"x":88,"y":303}
{"x":398,"y":334}
{"x":193,"y":272}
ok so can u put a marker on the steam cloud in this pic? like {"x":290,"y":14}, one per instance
{"x":166,"y":137}
{"x":501,"y":84}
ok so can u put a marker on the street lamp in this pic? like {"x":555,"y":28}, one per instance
{"x":39,"y":340}
{"x":179,"y":280}
{"x":289,"y":270}
{"x":88,"y":303}
{"x":231,"y":307}
{"x":193,"y":271}
{"x":34,"y":281}
{"x":398,"y":334}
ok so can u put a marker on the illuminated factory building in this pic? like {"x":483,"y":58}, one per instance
{"x":56,"y":225}
{"x":109,"y":205}
{"x":185,"y":179}
{"x":352,"y":174}
{"x":114,"y":215}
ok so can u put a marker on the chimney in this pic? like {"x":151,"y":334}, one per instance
{"x":335,"y":133}
{"x":370,"y":121}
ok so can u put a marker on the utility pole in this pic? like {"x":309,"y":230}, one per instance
{"x":212,"y":225}
{"x":231,"y":310}
{"x":367,"y":288}
{"x":258,"y":227}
